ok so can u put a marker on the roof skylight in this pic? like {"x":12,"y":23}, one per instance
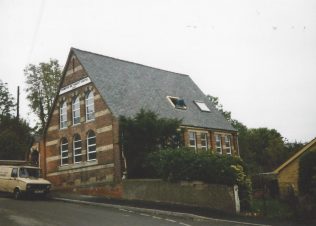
{"x":202,"y":106}
{"x":177,"y":102}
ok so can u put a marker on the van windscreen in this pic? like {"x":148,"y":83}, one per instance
{"x":29,"y":172}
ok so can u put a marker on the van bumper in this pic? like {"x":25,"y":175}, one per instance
{"x":37,"y":189}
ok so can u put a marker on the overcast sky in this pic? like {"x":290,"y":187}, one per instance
{"x":258,"y":57}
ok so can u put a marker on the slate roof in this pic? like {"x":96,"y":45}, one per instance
{"x":127,"y":87}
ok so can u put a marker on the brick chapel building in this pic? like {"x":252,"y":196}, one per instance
{"x":81,"y":140}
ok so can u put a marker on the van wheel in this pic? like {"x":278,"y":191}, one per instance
{"x":17,"y":194}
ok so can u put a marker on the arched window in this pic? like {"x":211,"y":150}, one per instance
{"x":63,"y":115}
{"x":75,"y":111}
{"x":89,"y":106}
{"x":64,"y":151}
{"x":77,"y":148}
{"x":91,"y":146}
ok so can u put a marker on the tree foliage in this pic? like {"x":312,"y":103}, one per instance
{"x":42,"y":83}
{"x":262,"y":149}
{"x":307,"y":173}
{"x":6,"y":99}
{"x":145,"y":133}
{"x":15,"y":138}
{"x":219,"y":107}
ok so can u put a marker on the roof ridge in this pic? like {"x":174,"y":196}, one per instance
{"x":296,"y":155}
{"x":130,"y":62}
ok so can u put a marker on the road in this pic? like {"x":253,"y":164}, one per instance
{"x":57,"y":213}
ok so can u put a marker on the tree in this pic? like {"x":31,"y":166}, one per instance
{"x":266,"y":149}
{"x":6,"y":100}
{"x":262,"y":149}
{"x":15,"y":138}
{"x":42,"y":83}
{"x":145,"y":133}
{"x":219,"y":107}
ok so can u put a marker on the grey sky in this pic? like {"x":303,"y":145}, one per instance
{"x":258,"y":57}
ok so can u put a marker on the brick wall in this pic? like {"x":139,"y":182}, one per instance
{"x":106,"y":167}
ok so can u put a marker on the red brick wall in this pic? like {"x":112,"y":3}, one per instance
{"x":107,"y":165}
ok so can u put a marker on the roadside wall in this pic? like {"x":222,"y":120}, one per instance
{"x":218,"y":197}
{"x":195,"y":193}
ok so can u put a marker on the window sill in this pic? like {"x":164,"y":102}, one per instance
{"x":78,"y":165}
{"x":91,"y":120}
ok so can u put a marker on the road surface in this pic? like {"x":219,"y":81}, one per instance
{"x":57,"y":213}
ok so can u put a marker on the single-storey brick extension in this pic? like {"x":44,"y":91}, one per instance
{"x":81,"y":140}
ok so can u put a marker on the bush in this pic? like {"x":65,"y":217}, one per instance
{"x":184,"y":164}
{"x":307,"y":173}
{"x":307,"y":185}
{"x":145,"y":133}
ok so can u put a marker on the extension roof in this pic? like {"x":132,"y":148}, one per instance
{"x":306,"y":147}
{"x":128,"y":87}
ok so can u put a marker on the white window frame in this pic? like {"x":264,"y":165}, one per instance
{"x":228,"y":146}
{"x":89,"y":145}
{"x":205,"y":139}
{"x":90,"y":116}
{"x":76,"y":111}
{"x":77,"y":148}
{"x":218,"y":142}
{"x":62,"y":151}
{"x":170,"y":98}
{"x":194,"y":139}
{"x":63,"y":115}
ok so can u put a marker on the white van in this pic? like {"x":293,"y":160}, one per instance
{"x":23,"y":179}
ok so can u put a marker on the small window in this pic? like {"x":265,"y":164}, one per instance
{"x":204,"y":141}
{"x":77,"y":149}
{"x":76,"y":111}
{"x":192,"y":140}
{"x":202,"y":106}
{"x":89,"y":106}
{"x":64,"y":151}
{"x":63,"y":115}
{"x":91,"y":146}
{"x":177,"y":102}
{"x":228,"y":147}
{"x":14,"y":172}
{"x":218,"y":140}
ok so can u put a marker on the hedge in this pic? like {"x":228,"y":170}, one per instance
{"x":184,"y":164}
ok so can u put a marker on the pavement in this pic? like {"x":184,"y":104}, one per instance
{"x":188,"y":212}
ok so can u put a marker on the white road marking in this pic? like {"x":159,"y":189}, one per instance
{"x":124,"y":210}
{"x":184,"y":224}
{"x":158,"y":218}
{"x":144,"y":214}
{"x":173,"y":221}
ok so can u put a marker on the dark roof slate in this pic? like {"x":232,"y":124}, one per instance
{"x":127,"y":87}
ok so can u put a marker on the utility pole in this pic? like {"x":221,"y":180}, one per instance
{"x":18,"y":104}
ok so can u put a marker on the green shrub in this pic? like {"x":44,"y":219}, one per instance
{"x":307,"y":185}
{"x":184,"y":164}
{"x":307,"y":173}
{"x":145,"y":133}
